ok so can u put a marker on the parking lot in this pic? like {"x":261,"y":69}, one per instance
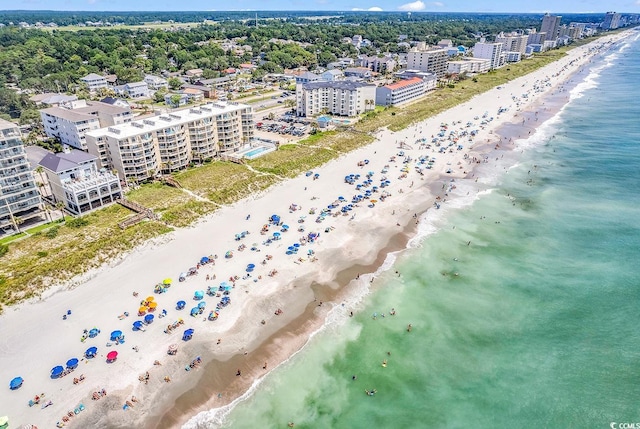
{"x":284,"y":125}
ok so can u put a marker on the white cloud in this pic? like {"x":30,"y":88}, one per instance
{"x":440,"y":4}
{"x":415,"y":6}
{"x":371,"y":9}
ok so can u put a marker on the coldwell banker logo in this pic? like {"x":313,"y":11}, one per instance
{"x":614,"y":425}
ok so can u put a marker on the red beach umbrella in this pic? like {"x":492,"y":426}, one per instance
{"x":112,"y":355}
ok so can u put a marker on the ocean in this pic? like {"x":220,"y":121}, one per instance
{"x":523,"y":299}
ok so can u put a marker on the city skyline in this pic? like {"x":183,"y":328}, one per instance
{"x":495,"y":6}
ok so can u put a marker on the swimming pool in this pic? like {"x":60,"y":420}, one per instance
{"x":255,"y":152}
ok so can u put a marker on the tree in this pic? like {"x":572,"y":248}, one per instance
{"x":175,"y":100}
{"x":17,"y":221}
{"x":174,"y":83}
{"x":60,"y":206}
{"x":158,"y":97}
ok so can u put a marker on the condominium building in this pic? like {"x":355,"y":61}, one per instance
{"x":94,"y":82}
{"x":611,"y":21}
{"x":377,"y":64}
{"x":19,"y":196}
{"x":513,"y":42}
{"x":70,"y":121}
{"x":550,"y":26}
{"x":469,"y":65}
{"x":139,"y":149}
{"x":433,"y":60}
{"x":344,"y":98}
{"x":75,"y":180}
{"x":401,"y":92}
{"x":491,"y":52}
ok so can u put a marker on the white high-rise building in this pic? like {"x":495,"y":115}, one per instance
{"x":491,"y":52}
{"x":513,"y":42}
{"x":430,"y":60}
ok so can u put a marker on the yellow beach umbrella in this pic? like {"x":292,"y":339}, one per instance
{"x":149,"y":299}
{"x":152,"y":305}
{"x":142,"y":310}
{"x":167,"y":281}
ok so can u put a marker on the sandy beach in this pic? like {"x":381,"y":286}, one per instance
{"x":276,"y":299}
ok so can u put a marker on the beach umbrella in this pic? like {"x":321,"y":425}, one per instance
{"x":148,"y":318}
{"x":229,"y":254}
{"x":72,"y":363}
{"x":202,"y":304}
{"x":166,"y":281}
{"x":285,"y":226}
{"x":115,"y":335}
{"x":137,"y":325}
{"x":143,"y":309}
{"x":180,"y":305}
{"x":173,"y":348}
{"x":16,"y":383}
{"x":199,"y":294}
{"x":187,"y":334}
{"x":91,"y":352}
{"x":94,"y":332}
{"x":152,"y":306}
{"x":204,"y":260}
{"x":296,"y":245}
{"x":112,"y":355}
{"x":195,"y":311}
{"x":276,"y":234}
{"x":149,"y":298}
{"x":56,"y":371}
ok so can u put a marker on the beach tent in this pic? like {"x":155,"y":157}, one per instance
{"x":112,"y":355}
{"x":199,"y":294}
{"x":57,"y":371}
{"x":115,"y":335}
{"x":91,"y":352}
{"x":188,"y":334}
{"x":16,"y":383}
{"x":148,"y":318}
{"x":94,"y":332}
{"x":180,"y":305}
{"x":72,"y":363}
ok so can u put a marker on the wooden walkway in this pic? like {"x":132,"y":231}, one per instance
{"x":141,"y":213}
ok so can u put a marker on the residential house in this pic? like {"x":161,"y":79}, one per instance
{"x":154,"y":83}
{"x":344,"y":98}
{"x":19,"y":196}
{"x":361,"y":73}
{"x":75,"y":179}
{"x":52,"y":99}
{"x":203,"y":89}
{"x":94,"y":82}
{"x":332,"y":75}
{"x":307,"y":77}
{"x":194,"y":73}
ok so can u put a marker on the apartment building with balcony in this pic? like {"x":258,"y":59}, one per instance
{"x":344,"y":98}
{"x":19,"y":196}
{"x":94,"y":82}
{"x":432,"y":60}
{"x":139,"y":149}
{"x":400,"y":92}
{"x":70,"y":121}
{"x":76,"y":180}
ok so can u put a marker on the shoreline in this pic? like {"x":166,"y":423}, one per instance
{"x":329,"y":279}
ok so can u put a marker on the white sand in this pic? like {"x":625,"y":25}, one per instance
{"x":35,"y":338}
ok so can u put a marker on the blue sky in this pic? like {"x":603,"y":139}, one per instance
{"x":538,"y":6}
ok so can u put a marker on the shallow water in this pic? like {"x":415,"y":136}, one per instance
{"x":523,"y":305}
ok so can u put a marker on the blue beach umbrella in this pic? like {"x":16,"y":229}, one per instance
{"x":137,"y":325}
{"x":115,"y":335}
{"x":16,"y":383}
{"x":72,"y":363}
{"x":94,"y":332}
{"x":56,"y":371}
{"x":180,"y":305}
{"x":204,"y":260}
{"x":91,"y":352}
{"x":195,"y":311}
{"x":187,"y":334}
{"x":202,"y":304}
{"x":148,"y":318}
{"x":199,"y":294}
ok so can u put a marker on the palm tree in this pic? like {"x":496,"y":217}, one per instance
{"x":17,"y":220}
{"x":60,"y":206}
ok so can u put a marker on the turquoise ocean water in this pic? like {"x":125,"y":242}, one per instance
{"x":535,"y":323}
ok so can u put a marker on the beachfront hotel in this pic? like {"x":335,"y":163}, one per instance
{"x":139,"y":149}
{"x":432,"y":60}
{"x":19,"y":196}
{"x":70,"y":121}
{"x":403,"y":91}
{"x":344,"y":98}
{"x":75,"y":180}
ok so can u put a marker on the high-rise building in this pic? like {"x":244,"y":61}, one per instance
{"x":430,"y":60}
{"x":513,"y":42}
{"x":611,"y":21}
{"x":19,"y":196}
{"x":550,"y":26}
{"x":344,"y":98}
{"x":491,"y":52}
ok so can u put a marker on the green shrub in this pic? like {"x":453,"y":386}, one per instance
{"x":42,"y":254}
{"x":4,"y":249}
{"x":77,"y":222}
{"x":52,"y":232}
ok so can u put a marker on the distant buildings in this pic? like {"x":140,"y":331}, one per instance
{"x":358,"y":73}
{"x":139,"y":149}
{"x":401,"y":92}
{"x":19,"y":196}
{"x":513,"y":42}
{"x":377,"y":64}
{"x":344,"y":98}
{"x":611,"y":21}
{"x":75,"y":180}
{"x":550,"y":26}
{"x":70,"y":121}
{"x":133,"y":90}
{"x":433,"y":60}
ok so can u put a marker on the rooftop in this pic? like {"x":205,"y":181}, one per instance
{"x":58,"y":162}
{"x":92,"y":76}
{"x":346,"y":85}
{"x":404,"y":83}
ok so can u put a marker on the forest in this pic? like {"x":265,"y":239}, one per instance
{"x":54,"y":60}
